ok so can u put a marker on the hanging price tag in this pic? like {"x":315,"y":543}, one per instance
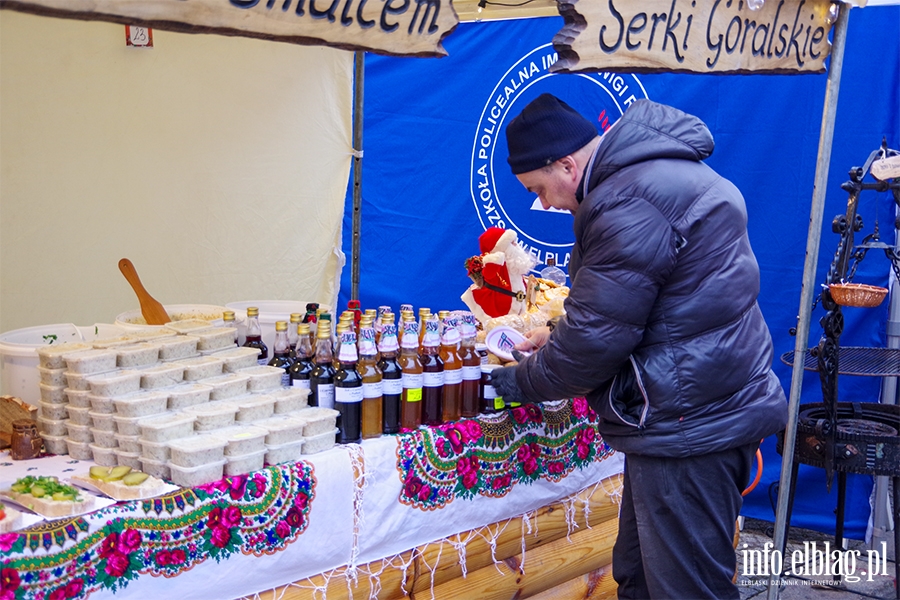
{"x":886,"y":168}
{"x":140,"y":37}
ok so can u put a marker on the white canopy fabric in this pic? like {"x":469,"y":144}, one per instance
{"x":217,"y":165}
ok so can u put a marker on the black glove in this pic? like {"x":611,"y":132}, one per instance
{"x":504,"y":381}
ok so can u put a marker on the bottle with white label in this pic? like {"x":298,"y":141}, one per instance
{"x":471,"y":368}
{"x":321,"y":379}
{"x":432,"y":373}
{"x":453,"y":376}
{"x":303,"y":359}
{"x":411,"y":366}
{"x":348,"y":392}
{"x":281,"y":350}
{"x":371,"y":380}
{"x":391,"y":375}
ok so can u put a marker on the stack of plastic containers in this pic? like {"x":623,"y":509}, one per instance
{"x":180,"y":402}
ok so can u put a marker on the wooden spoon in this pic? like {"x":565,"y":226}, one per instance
{"x":154,"y":312}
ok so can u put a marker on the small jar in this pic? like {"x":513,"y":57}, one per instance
{"x":482,"y":351}
{"x":490,"y":401}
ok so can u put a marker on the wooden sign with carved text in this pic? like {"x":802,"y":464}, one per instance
{"x":398,"y":27}
{"x":697,"y":36}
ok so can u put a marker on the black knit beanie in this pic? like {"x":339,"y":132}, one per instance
{"x":546,"y":130}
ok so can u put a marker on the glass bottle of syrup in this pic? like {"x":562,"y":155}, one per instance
{"x":321,"y":379}
{"x":281,"y":353}
{"x":411,"y":366}
{"x":254,"y":335}
{"x":343,"y":326}
{"x":471,"y":368}
{"x":228,"y":321}
{"x":296,"y":319}
{"x":453,"y":377}
{"x":303,"y":359}
{"x":405,"y":315}
{"x":391,"y":375}
{"x":348,"y":392}
{"x":372,"y":404}
{"x":424,"y":313}
{"x":432,"y":373}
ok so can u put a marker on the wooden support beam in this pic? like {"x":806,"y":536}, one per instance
{"x":545,"y":567}
{"x":549,"y":523}
{"x":596,"y":585}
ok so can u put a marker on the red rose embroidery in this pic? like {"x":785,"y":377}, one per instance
{"x":555,"y":468}
{"x":424,"y":493}
{"x":231,"y":516}
{"x":57,"y":594}
{"x":109,"y":545}
{"x":294,"y":518}
{"x":129,"y":541}
{"x":9,"y":579}
{"x":74,"y":587}
{"x":220,"y":536}
{"x":580,"y":407}
{"x":282,"y":529}
{"x":116,"y":564}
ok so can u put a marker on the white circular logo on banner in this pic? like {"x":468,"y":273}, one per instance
{"x":501,"y":201}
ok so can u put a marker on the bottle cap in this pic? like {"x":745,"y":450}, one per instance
{"x":296,"y":317}
{"x":252,"y":311}
{"x":280,"y":325}
{"x":303,"y":329}
{"x":228,"y":315}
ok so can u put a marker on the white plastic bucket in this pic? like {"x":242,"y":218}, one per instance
{"x":270,"y":311}
{"x":19,"y":360}
{"x":133,"y":319}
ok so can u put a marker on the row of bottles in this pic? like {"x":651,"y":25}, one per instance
{"x":383,"y":376}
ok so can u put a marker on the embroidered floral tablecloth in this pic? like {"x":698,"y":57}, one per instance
{"x":349,"y":505}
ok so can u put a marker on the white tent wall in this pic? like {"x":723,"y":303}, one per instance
{"x":217,"y":165}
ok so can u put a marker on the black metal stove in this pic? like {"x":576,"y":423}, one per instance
{"x":851,"y":437}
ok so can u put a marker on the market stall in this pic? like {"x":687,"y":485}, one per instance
{"x":354,"y":507}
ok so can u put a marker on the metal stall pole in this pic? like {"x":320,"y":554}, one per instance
{"x":808,"y":286}
{"x":356,"y":228}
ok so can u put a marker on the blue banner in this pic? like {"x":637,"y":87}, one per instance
{"x":435,"y":176}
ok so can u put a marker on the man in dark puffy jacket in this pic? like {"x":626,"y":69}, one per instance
{"x":662,"y":332}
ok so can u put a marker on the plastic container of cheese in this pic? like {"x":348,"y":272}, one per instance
{"x":166,"y":427}
{"x":196,"y":450}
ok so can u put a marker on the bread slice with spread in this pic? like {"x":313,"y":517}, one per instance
{"x":48,"y":497}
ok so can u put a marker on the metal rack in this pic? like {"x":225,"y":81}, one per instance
{"x":850,"y":437}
